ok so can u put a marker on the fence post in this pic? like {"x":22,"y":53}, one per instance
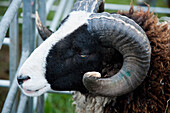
{"x":13,"y":53}
{"x":10,"y":13}
{"x":14,"y":47}
{"x":27,"y":36}
{"x":58,"y":15}
{"x":42,"y":14}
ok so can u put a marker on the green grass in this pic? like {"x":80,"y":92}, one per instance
{"x":59,"y":103}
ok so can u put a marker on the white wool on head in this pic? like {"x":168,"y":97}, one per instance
{"x":90,"y":104}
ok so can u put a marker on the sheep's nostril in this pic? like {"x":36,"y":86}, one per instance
{"x":21,"y":79}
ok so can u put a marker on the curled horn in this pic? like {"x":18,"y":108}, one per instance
{"x":42,"y":30}
{"x":123,"y":34}
{"x":93,"y":6}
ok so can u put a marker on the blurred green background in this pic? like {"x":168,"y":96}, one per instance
{"x":59,"y":103}
{"x":54,"y":103}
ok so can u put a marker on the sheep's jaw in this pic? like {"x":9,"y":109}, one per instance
{"x":36,"y":92}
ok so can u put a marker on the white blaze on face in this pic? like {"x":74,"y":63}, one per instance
{"x":34,"y":66}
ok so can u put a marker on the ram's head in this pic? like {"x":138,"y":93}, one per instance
{"x":76,"y":55}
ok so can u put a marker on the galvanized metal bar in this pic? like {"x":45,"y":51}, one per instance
{"x":40,"y":104}
{"x":27,"y":25}
{"x":4,"y":83}
{"x":33,"y":39}
{"x":7,"y":18}
{"x":14,"y":48}
{"x":62,"y":92}
{"x":58,"y":14}
{"x":29,"y":107}
{"x":48,"y":22}
{"x":42,"y":10}
{"x":42,"y":14}
{"x":126,"y":8}
{"x":35,"y":103}
{"x":49,"y":5}
{"x":54,"y":7}
{"x":27,"y":35}
{"x":68,"y":8}
{"x":13,"y":53}
{"x":10,"y":98}
{"x":22,"y":103}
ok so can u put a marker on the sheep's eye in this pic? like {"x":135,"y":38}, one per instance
{"x":83,"y":56}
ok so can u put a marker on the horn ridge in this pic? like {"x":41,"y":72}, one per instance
{"x":92,"y":6}
{"x":130,"y":21}
{"x":118,"y":17}
{"x":109,"y":18}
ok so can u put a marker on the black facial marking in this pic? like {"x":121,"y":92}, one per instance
{"x":65,"y":65}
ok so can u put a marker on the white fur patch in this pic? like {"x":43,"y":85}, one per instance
{"x":34,"y":66}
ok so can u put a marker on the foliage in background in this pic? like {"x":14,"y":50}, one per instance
{"x":59,"y":103}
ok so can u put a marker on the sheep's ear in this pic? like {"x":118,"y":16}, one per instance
{"x":44,"y":32}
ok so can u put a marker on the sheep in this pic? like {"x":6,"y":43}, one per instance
{"x":105,"y":56}
{"x":77,"y":47}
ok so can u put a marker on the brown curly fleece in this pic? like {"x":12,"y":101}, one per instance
{"x":153,"y":95}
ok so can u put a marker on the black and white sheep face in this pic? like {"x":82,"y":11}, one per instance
{"x":61,"y":60}
{"x":77,"y":47}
